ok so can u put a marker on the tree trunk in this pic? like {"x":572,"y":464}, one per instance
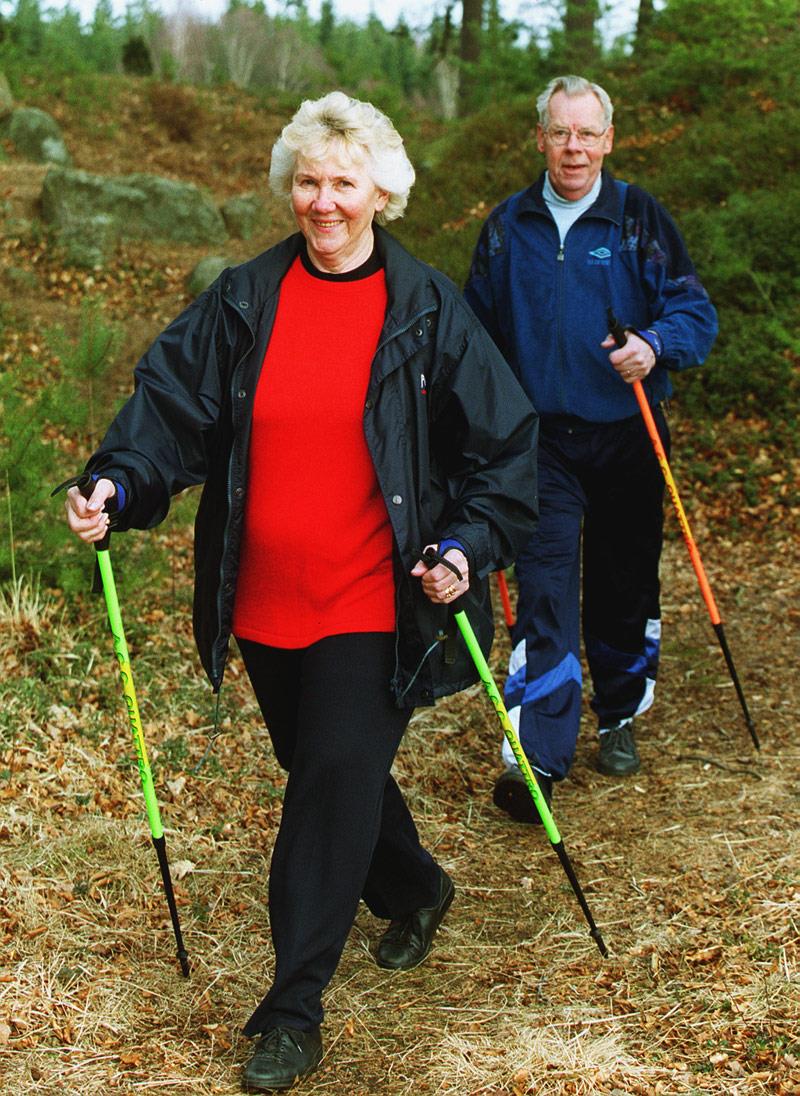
{"x":446,"y":75}
{"x":644,"y":23}
{"x":579,"y":33}
{"x":469,"y":53}
{"x":447,"y":32}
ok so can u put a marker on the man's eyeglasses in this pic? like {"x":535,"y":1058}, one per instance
{"x":589,"y":138}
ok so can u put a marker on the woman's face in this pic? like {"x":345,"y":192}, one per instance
{"x":334,"y":202}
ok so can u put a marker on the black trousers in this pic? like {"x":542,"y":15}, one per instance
{"x":345,"y":832}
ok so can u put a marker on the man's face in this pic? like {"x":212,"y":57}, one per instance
{"x":574,"y":165}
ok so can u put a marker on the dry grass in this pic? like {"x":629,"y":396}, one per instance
{"x":690,"y":870}
{"x":25,"y":610}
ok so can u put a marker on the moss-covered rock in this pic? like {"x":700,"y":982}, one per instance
{"x":139,"y":206}
{"x":36,"y":136}
{"x":206,"y":271}
{"x":245,"y":215}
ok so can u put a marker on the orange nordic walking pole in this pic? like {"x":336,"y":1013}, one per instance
{"x":508,"y":612}
{"x":620,"y":338}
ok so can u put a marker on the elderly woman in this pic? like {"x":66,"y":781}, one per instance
{"x":344,"y":410}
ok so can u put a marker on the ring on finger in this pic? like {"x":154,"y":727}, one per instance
{"x":450,"y":591}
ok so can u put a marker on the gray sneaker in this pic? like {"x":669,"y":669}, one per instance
{"x":618,"y":754}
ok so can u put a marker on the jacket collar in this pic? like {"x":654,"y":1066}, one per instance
{"x":608,"y":205}
{"x":250,"y":285}
{"x":408,"y":283}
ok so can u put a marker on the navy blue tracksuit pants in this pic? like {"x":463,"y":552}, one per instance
{"x":601,"y":518}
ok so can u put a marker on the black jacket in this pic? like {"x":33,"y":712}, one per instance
{"x":451,"y":434}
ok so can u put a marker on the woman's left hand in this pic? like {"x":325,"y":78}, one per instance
{"x":439,"y":583}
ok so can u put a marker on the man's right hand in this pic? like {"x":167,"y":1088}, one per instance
{"x":87,"y":517}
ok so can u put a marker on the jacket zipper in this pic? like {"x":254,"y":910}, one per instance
{"x":381,"y":345}
{"x":218,"y":671}
{"x":561,"y":260}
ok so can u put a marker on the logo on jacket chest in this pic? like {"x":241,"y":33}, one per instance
{"x":601,"y":256}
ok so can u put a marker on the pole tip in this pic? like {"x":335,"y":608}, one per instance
{"x":598,"y":939}
{"x":183,"y":959}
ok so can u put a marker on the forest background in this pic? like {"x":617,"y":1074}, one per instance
{"x":707,"y":119}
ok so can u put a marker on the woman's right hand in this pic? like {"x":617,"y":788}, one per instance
{"x":86,"y":517}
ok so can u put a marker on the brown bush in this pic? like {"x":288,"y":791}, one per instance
{"x":176,"y":109}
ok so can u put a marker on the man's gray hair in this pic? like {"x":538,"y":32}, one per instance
{"x":353,"y":129}
{"x":573,"y":85}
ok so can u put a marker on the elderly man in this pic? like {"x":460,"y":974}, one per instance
{"x":550,"y":261}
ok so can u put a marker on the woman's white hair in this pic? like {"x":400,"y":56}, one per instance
{"x":572,"y":85}
{"x":356,"y":130}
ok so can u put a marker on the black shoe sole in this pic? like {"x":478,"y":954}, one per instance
{"x":253,"y":1084}
{"x":513,"y":796}
{"x":608,"y":771}
{"x":268,"y":1086}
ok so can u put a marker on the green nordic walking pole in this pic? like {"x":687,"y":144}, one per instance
{"x":132,"y":705}
{"x":145,"y":773}
{"x":431,"y":557}
{"x":538,"y":798}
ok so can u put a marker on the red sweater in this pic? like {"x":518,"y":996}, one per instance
{"x":317,"y":549}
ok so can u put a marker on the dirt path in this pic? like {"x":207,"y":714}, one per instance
{"x":690,"y":869}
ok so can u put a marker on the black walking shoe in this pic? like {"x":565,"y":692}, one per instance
{"x":512,"y":795}
{"x":407,"y":942}
{"x":282,"y":1056}
{"x":618,"y":754}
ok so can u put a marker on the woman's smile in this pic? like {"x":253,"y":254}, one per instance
{"x":334,"y":202}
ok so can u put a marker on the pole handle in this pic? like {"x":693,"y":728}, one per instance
{"x":615,"y":328}
{"x":432,"y":556}
{"x":85,"y":485}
